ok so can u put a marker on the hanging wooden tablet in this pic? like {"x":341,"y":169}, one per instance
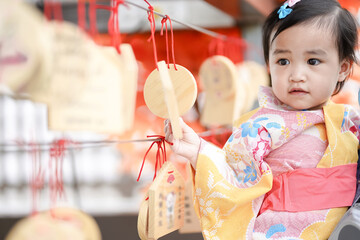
{"x":163,"y":211}
{"x":74,"y":58}
{"x":244,"y":79}
{"x":143,"y":218}
{"x":191,"y":220}
{"x":252,"y":75}
{"x":128,"y":66}
{"x":82,"y":221}
{"x":36,"y":227}
{"x":57,"y":224}
{"x":131,"y":71}
{"x":260,"y":76}
{"x":169,"y":93}
{"x":96,"y":103}
{"x":219,"y":80}
{"x":25,"y":45}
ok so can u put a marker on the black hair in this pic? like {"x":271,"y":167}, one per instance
{"x":327,"y":13}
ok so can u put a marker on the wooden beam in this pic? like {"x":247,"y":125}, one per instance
{"x":231,"y":7}
{"x":264,"y":7}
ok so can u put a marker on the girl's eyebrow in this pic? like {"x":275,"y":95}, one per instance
{"x":313,"y":51}
{"x":280,"y":51}
{"x":316,"y":52}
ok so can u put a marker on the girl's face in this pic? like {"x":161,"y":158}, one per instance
{"x":305,"y":67}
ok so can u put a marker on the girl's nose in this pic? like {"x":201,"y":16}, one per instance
{"x":298,"y":74}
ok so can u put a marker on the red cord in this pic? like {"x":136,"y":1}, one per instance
{"x":37,"y":178}
{"x":163,"y":22}
{"x":160,"y":154}
{"x":216,"y":47}
{"x":58,"y":11}
{"x":55,"y":178}
{"x":152,"y":27}
{"x":53,"y":9}
{"x":113,"y":23}
{"x":92,"y":17}
{"x":57,"y":153}
{"x":81,"y":14}
{"x":220,"y":46}
{"x":231,"y":47}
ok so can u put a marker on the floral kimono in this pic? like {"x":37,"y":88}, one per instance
{"x":283,"y":173}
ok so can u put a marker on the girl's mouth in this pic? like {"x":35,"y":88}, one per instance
{"x":297,"y":91}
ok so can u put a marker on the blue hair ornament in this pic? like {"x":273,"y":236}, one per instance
{"x":284,"y":11}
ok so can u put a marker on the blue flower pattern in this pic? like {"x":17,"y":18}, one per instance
{"x":273,"y":125}
{"x":231,"y":138}
{"x":251,"y":129}
{"x":275,"y":229}
{"x":345,"y":115}
{"x":251,"y":173}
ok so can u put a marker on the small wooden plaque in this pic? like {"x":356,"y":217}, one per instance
{"x":25,"y":45}
{"x":127,"y":64}
{"x":191,"y":220}
{"x":251,"y":76}
{"x":98,"y":104}
{"x":219,"y":79}
{"x":165,"y":204}
{"x":184,"y":86}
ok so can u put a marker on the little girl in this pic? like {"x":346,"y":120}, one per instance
{"x":288,"y":171}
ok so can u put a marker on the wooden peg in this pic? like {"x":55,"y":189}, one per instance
{"x":170,"y":100}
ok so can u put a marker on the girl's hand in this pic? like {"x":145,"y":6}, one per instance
{"x":187,"y":147}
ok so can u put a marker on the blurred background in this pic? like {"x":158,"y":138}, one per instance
{"x":73,"y":118}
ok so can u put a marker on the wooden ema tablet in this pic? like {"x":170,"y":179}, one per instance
{"x":130,"y":72}
{"x":191,"y":220}
{"x":37,"y":227}
{"x":163,"y":211}
{"x":25,"y":45}
{"x":252,"y":75}
{"x":143,"y":219}
{"x":58,"y":224}
{"x":75,"y":59}
{"x":219,"y":80}
{"x":98,"y":103}
{"x":244,"y":79}
{"x":128,"y":66}
{"x":83,"y":221}
{"x":170,"y":93}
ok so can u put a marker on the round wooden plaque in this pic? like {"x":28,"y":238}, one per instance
{"x":184,"y":85}
{"x":58,"y":224}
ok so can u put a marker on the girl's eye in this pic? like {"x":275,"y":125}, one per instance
{"x":283,"y":62}
{"x":313,"y":61}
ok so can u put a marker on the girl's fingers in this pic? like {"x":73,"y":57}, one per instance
{"x":169,"y":127}
{"x":167,"y":135}
{"x":168,"y":131}
{"x":185,"y":127}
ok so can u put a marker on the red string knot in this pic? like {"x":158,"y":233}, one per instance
{"x":160,"y":153}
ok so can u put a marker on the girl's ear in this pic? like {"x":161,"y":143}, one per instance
{"x":345,"y":70}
